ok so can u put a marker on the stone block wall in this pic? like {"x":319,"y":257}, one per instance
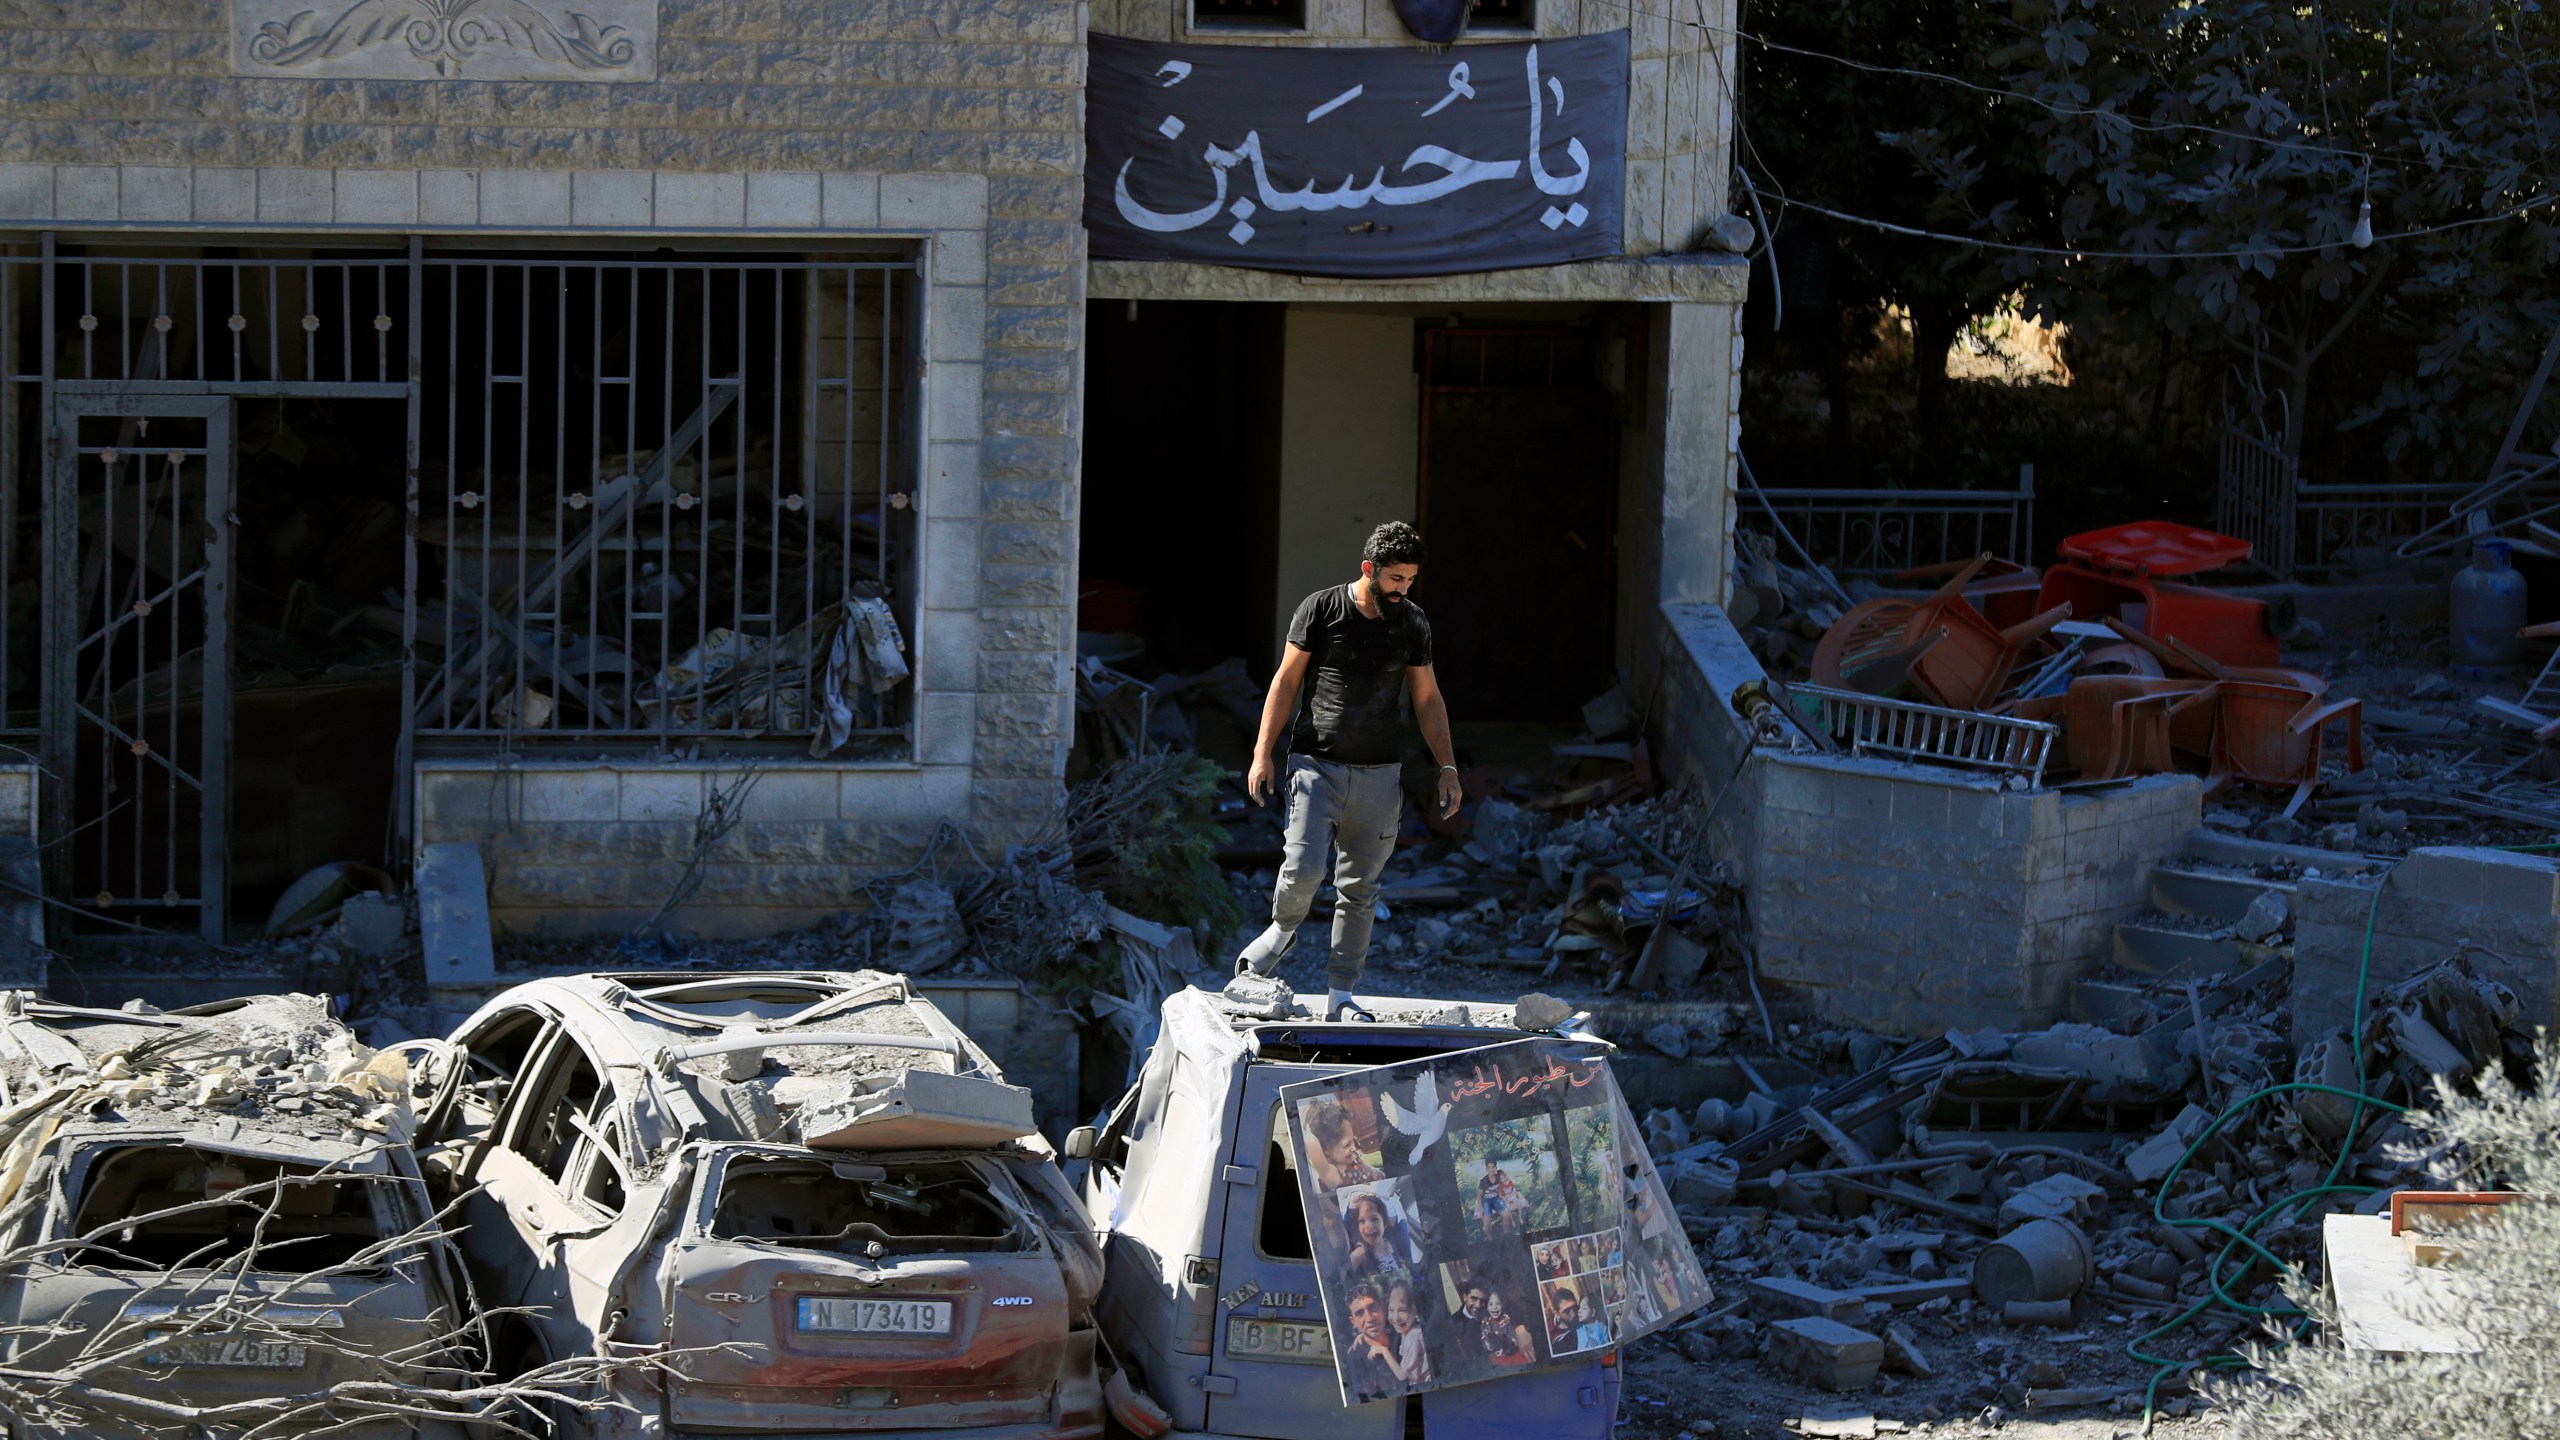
{"x":1031,"y":1042}
{"x":1680,"y":87}
{"x":950,"y":126}
{"x":2430,"y":904}
{"x":1907,"y":899}
{"x":592,"y":847}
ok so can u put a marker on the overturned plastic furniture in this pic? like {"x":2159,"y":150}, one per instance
{"x":2118,"y":726}
{"x":2271,"y":735}
{"x":2128,"y":571}
{"x":1942,"y":646}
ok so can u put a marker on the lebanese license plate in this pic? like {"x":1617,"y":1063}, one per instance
{"x":1306,"y":1341}
{"x":846,"y":1315}
{"x":230,"y":1352}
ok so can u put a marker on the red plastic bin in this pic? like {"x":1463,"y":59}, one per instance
{"x":2115,"y":572}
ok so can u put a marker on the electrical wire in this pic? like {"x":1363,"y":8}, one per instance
{"x":2241,"y":253}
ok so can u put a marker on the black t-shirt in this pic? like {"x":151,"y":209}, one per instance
{"x":1352,"y":710}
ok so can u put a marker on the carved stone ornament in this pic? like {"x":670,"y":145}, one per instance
{"x":447,"y":39}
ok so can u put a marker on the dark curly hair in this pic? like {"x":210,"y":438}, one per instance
{"x":1394,"y":543}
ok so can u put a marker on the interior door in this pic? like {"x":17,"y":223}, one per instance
{"x":137,"y":646}
{"x":1518,"y":498}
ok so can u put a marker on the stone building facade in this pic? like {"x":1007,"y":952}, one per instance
{"x":939,"y":143}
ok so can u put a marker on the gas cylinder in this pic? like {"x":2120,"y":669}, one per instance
{"x":2486,"y":610}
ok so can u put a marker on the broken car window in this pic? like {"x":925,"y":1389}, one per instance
{"x":199,"y":1208}
{"x":548,"y":1137}
{"x":1281,"y":1233}
{"x":853,"y":1207}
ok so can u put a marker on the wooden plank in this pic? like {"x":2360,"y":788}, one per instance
{"x":2380,"y":1292}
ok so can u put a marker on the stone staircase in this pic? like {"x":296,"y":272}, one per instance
{"x":2198,"y":899}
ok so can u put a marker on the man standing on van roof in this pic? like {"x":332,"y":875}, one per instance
{"x":1355,"y":652}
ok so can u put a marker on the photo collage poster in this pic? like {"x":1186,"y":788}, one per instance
{"x":1482,"y":1213}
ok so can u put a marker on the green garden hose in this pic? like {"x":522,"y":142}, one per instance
{"x":2217,"y":1281}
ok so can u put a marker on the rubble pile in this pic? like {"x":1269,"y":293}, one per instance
{"x":2075,"y":1216}
{"x":278,"y":1063}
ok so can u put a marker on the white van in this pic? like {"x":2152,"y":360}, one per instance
{"x":1209,"y":1297}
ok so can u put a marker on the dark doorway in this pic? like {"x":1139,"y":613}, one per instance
{"x":1518,"y":498}
{"x":1181,"y":480}
{"x":315,"y":644}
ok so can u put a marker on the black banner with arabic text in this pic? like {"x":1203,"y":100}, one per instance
{"x":1366,"y":162}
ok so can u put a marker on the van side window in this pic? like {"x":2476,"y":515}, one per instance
{"x":1281,"y":1232}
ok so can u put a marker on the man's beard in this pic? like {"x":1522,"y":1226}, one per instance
{"x":1392,"y":597}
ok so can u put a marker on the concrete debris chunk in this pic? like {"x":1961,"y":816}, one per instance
{"x":917,"y":1109}
{"x":2149,"y":1161}
{"x":2119,"y":1066}
{"x":2265,"y":918}
{"x":1669,"y":1038}
{"x":1266,"y":997}
{"x":1826,"y":1352}
{"x":2055,"y":1197}
{"x":1839,"y":1423}
{"x":925,"y":933}
{"x":1903,"y":1353}
{"x":1538,"y":1011}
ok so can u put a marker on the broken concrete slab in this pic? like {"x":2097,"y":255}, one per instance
{"x":917,"y":1109}
{"x":1826,"y":1352}
{"x":2055,"y":1197}
{"x":1902,"y":1351}
{"x":453,"y":915}
{"x":372,"y":924}
{"x":1779,"y":1298}
{"x":2153,"y":1158}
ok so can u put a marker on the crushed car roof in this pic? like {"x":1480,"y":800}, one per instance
{"x":838,"y":1059}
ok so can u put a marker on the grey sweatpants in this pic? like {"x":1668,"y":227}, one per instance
{"x":1355,"y":810}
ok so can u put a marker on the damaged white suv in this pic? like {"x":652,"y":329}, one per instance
{"x":796,"y":1203}
{"x":211,"y":1223}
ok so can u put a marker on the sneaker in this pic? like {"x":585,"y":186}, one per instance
{"x":1263,"y":953}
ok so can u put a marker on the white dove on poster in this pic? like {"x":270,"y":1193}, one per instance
{"x":1426,"y":1121}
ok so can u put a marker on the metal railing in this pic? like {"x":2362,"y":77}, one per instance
{"x":2327,"y":533}
{"x":655,"y":489}
{"x":1904,"y":730}
{"x":2255,"y":499}
{"x":1876,"y":533}
{"x":644,"y":494}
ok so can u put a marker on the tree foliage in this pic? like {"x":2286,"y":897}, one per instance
{"x":2199,"y":165}
{"x":2505,"y":1293}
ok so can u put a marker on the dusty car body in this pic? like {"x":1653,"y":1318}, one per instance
{"x":1209,"y":1294}
{"x":644,"y":1186}
{"x":219,"y":1208}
